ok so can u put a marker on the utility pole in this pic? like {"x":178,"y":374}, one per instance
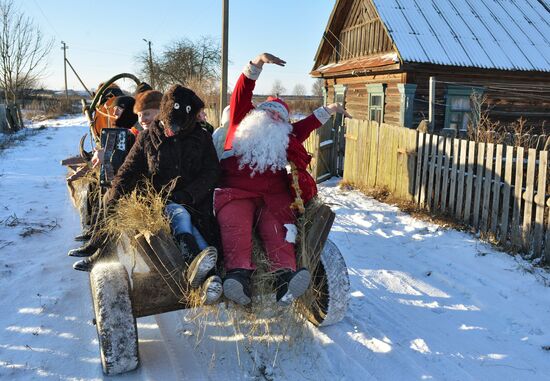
{"x":151,"y":76}
{"x":225,"y":29}
{"x":65,"y":47}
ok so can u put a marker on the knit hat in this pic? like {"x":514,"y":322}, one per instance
{"x":127,"y":119}
{"x":277,"y":105}
{"x":147,"y":100}
{"x":143,"y":87}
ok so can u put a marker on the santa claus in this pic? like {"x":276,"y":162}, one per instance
{"x":256,"y":191}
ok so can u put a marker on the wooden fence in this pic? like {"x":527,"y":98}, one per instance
{"x":499,"y":190}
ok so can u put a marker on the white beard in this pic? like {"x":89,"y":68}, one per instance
{"x":261,"y":143}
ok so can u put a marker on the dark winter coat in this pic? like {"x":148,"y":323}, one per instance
{"x":191,"y":159}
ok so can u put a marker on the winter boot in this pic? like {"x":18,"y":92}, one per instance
{"x":188,"y":246}
{"x":211,"y":290}
{"x":85,"y":264}
{"x":84,"y":236}
{"x":201,"y":265}
{"x":290,"y":285}
{"x":236,"y":286}
{"x":83,"y":251}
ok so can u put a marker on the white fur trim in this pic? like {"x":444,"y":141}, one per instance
{"x":252,"y":71}
{"x":275,"y":106}
{"x":291,"y":233}
{"x":322,"y":114}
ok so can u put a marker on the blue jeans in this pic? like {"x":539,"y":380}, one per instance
{"x":180,"y":221}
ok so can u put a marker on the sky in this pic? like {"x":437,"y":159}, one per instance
{"x":104,"y":37}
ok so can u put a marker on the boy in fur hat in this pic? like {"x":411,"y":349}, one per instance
{"x":147,"y":107}
{"x":255,"y":189}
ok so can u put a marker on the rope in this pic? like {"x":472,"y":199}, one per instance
{"x":298,"y":203}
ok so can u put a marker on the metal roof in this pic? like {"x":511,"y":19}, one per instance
{"x":492,"y":34}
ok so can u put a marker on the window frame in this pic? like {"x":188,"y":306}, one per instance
{"x":459,"y":92}
{"x":376,"y":90}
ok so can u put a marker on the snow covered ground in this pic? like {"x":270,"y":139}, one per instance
{"x":426,"y":303}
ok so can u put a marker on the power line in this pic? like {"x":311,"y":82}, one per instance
{"x":47,"y":20}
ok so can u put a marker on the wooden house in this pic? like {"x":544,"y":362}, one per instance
{"x":377,"y":56}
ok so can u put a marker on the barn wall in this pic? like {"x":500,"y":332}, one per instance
{"x":357,"y":96}
{"x":510,"y":95}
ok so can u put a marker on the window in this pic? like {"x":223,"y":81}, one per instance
{"x":458,"y":109}
{"x":376,"y":102}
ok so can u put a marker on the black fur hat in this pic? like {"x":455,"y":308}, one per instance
{"x":143,"y":87}
{"x":127,"y":119}
{"x":179,"y":108}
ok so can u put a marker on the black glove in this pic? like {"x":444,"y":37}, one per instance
{"x":182,"y":197}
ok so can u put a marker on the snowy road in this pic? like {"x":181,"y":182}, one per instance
{"x":427,"y":303}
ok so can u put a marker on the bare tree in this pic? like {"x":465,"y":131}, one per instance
{"x":278,"y":89}
{"x":195,"y":64}
{"x":23,"y":51}
{"x":317,"y":87}
{"x":299,"y":90}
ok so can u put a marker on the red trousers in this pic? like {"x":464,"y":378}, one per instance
{"x":239,"y":212}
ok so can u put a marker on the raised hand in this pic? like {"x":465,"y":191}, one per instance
{"x":334,"y":108}
{"x":269,"y":59}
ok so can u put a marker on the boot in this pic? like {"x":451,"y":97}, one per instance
{"x":201,"y":265}
{"x":84,"y":236}
{"x":211,"y":290}
{"x":290,"y":285}
{"x":188,"y":246}
{"x":83,"y":251}
{"x":85,"y":264}
{"x":236,"y":286}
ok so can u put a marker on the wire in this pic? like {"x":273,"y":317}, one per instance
{"x":47,"y":20}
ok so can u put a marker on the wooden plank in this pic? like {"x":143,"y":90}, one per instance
{"x":164,"y":268}
{"x":430,"y":189}
{"x":497,"y":184}
{"x":446,"y":167}
{"x":439,"y":172}
{"x":351,"y":170}
{"x":506,"y":190}
{"x":412,"y":153}
{"x":547,"y":236}
{"x":517,"y":199}
{"x":540,"y":203}
{"x":425,"y":162}
{"x":528,"y":200}
{"x":461,"y":178}
{"x":480,"y":166}
{"x":381,"y":157}
{"x":419,"y":158}
{"x":73,"y":160}
{"x":468,"y":199}
{"x":364,"y":157}
{"x":454,"y":170}
{"x":488,"y":178}
{"x":400,"y":174}
{"x":374,"y":153}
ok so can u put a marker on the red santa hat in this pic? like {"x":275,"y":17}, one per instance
{"x":277,"y":105}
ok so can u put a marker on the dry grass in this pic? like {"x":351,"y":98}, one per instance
{"x":382,"y":194}
{"x":263,"y":321}
{"x":482,"y":129}
{"x":141,"y":210}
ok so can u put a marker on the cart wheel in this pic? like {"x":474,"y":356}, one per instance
{"x":331,"y":280}
{"x":115,"y":322}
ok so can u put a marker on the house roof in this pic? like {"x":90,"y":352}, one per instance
{"x":492,"y":34}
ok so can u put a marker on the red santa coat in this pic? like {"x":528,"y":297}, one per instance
{"x":233,"y":177}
